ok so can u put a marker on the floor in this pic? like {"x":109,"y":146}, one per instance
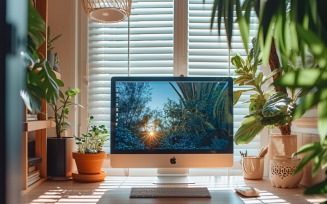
{"x":91,"y":193}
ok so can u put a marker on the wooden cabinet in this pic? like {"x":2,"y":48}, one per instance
{"x":38,"y":130}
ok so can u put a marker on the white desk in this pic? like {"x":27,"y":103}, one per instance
{"x":115,"y":190}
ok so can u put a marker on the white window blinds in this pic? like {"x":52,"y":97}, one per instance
{"x":144,"y":45}
{"x":141,"y":45}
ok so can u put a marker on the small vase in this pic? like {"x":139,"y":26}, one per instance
{"x":281,"y":172}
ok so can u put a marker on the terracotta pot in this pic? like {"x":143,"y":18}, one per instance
{"x":89,"y":163}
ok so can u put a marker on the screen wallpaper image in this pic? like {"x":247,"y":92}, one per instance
{"x":165,"y":116}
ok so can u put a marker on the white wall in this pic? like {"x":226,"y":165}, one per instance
{"x":63,"y":18}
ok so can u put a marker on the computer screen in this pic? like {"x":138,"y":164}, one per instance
{"x":171,"y":122}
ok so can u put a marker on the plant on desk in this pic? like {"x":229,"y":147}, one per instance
{"x":89,"y":158}
{"x":294,"y":29}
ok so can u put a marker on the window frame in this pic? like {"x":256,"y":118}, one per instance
{"x":180,"y":68}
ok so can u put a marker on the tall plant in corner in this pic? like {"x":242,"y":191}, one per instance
{"x":299,"y":27}
{"x":41,"y":81}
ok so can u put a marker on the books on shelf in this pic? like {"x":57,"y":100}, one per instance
{"x":34,"y":160}
{"x":33,"y":174}
{"x":31,"y":168}
{"x":31,"y":117}
{"x":33,"y":177}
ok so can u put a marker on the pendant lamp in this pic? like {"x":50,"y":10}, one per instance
{"x":107,"y":11}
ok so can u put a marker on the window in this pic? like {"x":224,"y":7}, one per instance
{"x":155,"y":40}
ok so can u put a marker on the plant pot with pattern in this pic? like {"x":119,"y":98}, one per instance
{"x":89,"y":158}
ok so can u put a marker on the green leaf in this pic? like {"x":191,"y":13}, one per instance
{"x":32,"y":103}
{"x":36,"y":27}
{"x":322,"y":120}
{"x":319,"y":188}
{"x":238,"y":61}
{"x":303,"y":78}
{"x":310,"y":101}
{"x":236,"y":96}
{"x":243,"y":26}
{"x":276,"y":104}
{"x":308,"y":157}
{"x":316,"y":45}
{"x":259,"y":79}
{"x":318,"y":162}
{"x":246,"y":133}
{"x":307,"y":147}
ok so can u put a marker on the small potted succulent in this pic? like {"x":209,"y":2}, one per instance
{"x":89,"y":157}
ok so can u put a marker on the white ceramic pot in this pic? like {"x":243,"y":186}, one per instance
{"x":281,"y":172}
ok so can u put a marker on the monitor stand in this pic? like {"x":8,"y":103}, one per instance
{"x":172,"y":176}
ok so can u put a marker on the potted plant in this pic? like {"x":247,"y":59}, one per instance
{"x":270,"y":107}
{"x":60,"y":148}
{"x":89,"y":157}
{"x":267,"y":108}
{"x":299,"y":28}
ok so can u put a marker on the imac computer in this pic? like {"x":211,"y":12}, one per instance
{"x":171,"y":123}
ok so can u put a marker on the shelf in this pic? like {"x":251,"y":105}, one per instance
{"x":32,"y":186}
{"x":34,"y":160}
{"x":38,"y":125}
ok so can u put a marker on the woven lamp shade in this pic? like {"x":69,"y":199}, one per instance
{"x":107,"y":11}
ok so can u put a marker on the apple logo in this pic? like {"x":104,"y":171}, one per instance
{"x":173,"y":160}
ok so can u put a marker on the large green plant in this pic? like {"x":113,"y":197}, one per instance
{"x":294,"y":27}
{"x":41,"y":81}
{"x":266,"y":107}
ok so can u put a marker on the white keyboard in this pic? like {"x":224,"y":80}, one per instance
{"x":170,"y":192}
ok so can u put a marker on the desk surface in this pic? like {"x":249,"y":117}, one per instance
{"x":116,"y":190}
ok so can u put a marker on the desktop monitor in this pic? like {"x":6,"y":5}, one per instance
{"x":171,"y":123}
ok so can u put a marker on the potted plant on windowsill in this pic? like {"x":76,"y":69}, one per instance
{"x":272,"y":108}
{"x":299,"y":28}
{"x":89,"y":158}
{"x":267,"y":107}
{"x":60,"y":148}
